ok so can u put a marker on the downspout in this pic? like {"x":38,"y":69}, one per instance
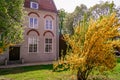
{"x":57,"y":38}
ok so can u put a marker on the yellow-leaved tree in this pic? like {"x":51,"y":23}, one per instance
{"x":92,"y":47}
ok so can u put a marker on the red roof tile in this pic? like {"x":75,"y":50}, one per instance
{"x":47,"y":5}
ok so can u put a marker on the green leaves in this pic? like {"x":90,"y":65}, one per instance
{"x":11,"y":17}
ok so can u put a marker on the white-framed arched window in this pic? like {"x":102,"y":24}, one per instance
{"x":48,"y":24}
{"x":33,"y":22}
{"x":32,"y":44}
{"x":48,"y":45}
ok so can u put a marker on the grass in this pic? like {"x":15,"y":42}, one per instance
{"x":40,"y":72}
{"x":115,"y":73}
{"x":108,"y":75}
{"x":44,"y":72}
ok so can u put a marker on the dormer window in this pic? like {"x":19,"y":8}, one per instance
{"x":34,"y":5}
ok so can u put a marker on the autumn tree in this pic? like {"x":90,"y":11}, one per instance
{"x":11,"y":18}
{"x":91,"y":47}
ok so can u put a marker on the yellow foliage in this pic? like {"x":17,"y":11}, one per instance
{"x":93,"y":46}
{"x":1,"y":50}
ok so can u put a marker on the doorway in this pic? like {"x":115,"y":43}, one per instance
{"x":14,"y":53}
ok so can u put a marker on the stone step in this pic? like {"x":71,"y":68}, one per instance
{"x":14,"y":62}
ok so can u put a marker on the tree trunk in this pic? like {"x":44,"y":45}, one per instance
{"x":81,"y":76}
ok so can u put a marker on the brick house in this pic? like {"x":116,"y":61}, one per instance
{"x":41,"y":38}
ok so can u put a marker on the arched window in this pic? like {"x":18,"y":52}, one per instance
{"x":33,"y":41}
{"x":48,"y":45}
{"x":33,"y":44}
{"x":48,"y":42}
{"x":33,"y":19}
{"x":49,"y":22}
{"x":33,"y":22}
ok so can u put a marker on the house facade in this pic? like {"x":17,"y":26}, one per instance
{"x":41,"y":38}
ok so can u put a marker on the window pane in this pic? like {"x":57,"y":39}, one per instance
{"x":48,"y":45}
{"x":35,"y":22}
{"x":50,"y":48}
{"x":50,"y":40}
{"x":46,"y":40}
{"x":33,"y":44}
{"x":46,"y":48}
{"x":35,"y":47}
{"x":31,"y":22}
{"x":34,"y":5}
{"x":30,"y":48}
{"x":50,"y":24}
{"x":47,"y":24}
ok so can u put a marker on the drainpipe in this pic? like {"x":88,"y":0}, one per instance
{"x":57,"y":38}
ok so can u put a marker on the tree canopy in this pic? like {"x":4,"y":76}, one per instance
{"x":96,"y":11}
{"x":61,"y":14}
{"x":11,"y":20}
{"x":104,"y":8}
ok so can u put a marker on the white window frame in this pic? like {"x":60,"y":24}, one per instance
{"x":33,"y":23}
{"x":49,"y":51}
{"x":47,"y":25}
{"x":31,"y":40}
{"x":31,"y":5}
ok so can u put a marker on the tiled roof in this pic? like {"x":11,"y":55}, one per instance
{"x":47,"y":5}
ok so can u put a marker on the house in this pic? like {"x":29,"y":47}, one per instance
{"x":41,"y":37}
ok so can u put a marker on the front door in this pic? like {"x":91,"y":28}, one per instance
{"x":14,"y":53}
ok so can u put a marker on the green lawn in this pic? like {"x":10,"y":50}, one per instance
{"x":44,"y":72}
{"x":115,"y":74}
{"x":41,"y":72}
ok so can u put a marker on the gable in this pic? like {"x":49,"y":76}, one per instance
{"x":47,"y":5}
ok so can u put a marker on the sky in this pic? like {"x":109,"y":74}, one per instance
{"x":69,"y":5}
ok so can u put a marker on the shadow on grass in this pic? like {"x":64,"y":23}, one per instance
{"x":118,"y":60}
{"x":25,"y":69}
